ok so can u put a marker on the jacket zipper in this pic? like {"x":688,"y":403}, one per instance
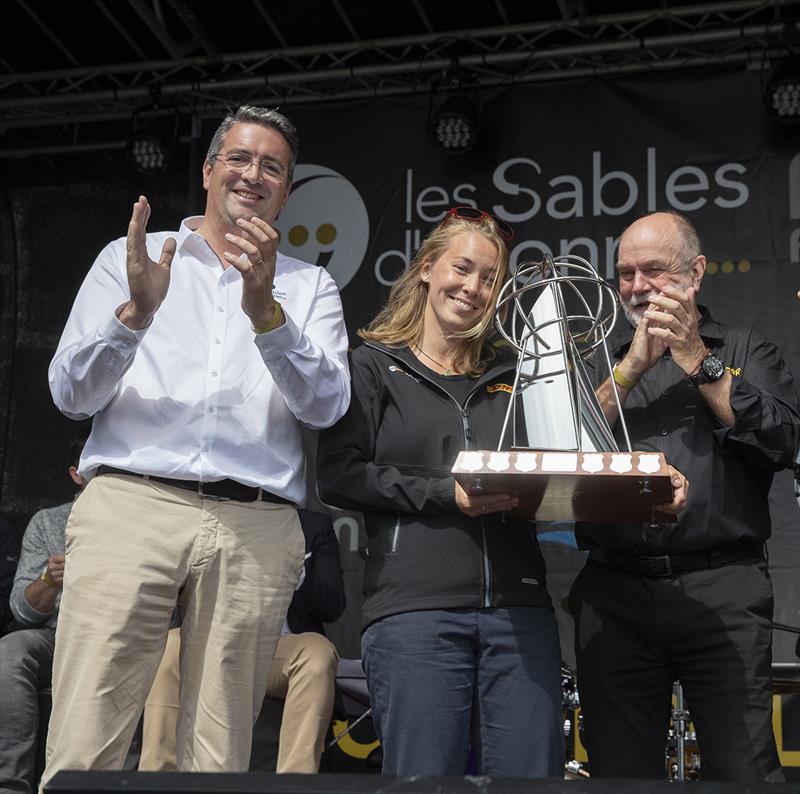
{"x":395,"y":536}
{"x":467,"y":430}
{"x":487,"y":572}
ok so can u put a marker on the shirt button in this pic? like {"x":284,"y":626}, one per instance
{"x":211,"y":410}
{"x":220,"y":309}
{"x":217,"y":341}
{"x":214,"y":374}
{"x":662,"y":432}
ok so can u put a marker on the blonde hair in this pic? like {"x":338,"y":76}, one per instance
{"x":400,"y":321}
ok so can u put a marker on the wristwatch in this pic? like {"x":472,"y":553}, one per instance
{"x":711,"y":369}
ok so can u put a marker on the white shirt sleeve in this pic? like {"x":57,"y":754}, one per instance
{"x":309,"y":364}
{"x":95,"y":349}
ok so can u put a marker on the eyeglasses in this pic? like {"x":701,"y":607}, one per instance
{"x":476,"y":216}
{"x":241,"y":162}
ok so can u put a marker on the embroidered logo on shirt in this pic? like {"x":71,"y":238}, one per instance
{"x":735,"y":371}
{"x":393,"y":368}
{"x":499,"y":387}
{"x":278,"y":293}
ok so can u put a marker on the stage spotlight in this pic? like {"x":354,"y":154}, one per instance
{"x":148,"y":154}
{"x":782,"y":94}
{"x":454,"y":125}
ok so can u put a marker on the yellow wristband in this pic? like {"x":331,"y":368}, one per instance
{"x":47,"y":579}
{"x":619,"y":378}
{"x":277,"y":316}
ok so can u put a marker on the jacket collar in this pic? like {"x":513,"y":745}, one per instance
{"x":503,"y":362}
{"x":710,"y":330}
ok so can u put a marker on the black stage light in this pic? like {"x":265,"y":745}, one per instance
{"x":149,"y":154}
{"x":782,"y":94}
{"x":454,"y":125}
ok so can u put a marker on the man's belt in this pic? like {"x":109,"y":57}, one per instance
{"x":673,"y":564}
{"x":226,"y":490}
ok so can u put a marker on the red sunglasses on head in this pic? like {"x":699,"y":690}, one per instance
{"x":476,"y":216}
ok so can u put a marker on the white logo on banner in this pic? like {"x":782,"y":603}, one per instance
{"x":325,"y":222}
{"x":521,"y":190}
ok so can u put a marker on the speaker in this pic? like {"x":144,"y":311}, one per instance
{"x":83,"y":782}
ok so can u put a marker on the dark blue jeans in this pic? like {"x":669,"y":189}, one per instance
{"x":438,"y":678}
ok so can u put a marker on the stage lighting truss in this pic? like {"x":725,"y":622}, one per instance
{"x":85,"y":108}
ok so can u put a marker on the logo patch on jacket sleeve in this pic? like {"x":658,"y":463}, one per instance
{"x":499,"y":387}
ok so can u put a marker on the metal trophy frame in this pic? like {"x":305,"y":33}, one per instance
{"x":555,"y":313}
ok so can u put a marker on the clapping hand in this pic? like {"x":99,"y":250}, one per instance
{"x":258,"y":242}
{"x":148,"y":281}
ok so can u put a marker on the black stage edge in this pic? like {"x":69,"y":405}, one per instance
{"x":80,"y":782}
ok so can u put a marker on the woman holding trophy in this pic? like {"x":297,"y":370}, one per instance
{"x":460,"y":642}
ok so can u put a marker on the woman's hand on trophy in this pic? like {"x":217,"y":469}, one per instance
{"x":680,"y":493}
{"x":477,"y":505}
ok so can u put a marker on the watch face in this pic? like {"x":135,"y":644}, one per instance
{"x":712,"y":368}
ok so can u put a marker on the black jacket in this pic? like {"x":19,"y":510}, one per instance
{"x":320,"y":598}
{"x":390,"y":457}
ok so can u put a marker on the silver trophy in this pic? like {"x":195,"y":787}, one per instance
{"x":556,"y":450}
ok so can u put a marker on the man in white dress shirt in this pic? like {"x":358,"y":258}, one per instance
{"x":199,"y":354}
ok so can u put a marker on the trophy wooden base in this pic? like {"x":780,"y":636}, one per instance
{"x":572,"y":486}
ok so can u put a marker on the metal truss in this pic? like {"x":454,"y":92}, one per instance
{"x":73,"y":101}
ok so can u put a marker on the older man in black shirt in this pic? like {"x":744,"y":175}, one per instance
{"x":689,"y":600}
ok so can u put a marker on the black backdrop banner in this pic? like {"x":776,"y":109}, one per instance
{"x":567,"y":164}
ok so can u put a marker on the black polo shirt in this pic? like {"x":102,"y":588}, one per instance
{"x":729,"y":469}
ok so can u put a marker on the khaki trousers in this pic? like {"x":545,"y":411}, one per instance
{"x":134,"y":549}
{"x":303,"y":673}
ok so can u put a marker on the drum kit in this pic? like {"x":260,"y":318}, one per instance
{"x":682,"y":753}
{"x":573,"y":723}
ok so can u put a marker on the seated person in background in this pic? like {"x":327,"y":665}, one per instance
{"x":10,"y":539}
{"x":26,"y":655}
{"x":303,"y":671}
